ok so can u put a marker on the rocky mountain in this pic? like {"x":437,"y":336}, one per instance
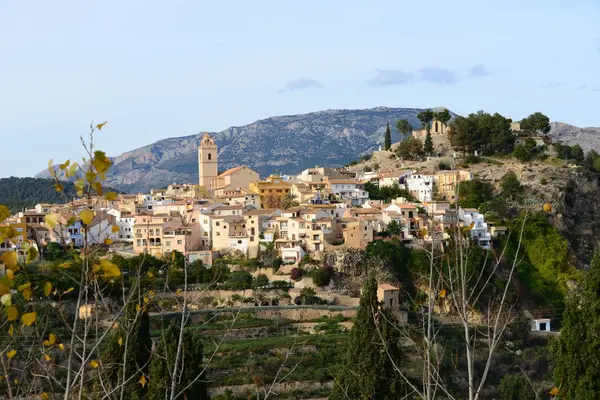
{"x":283,"y":144}
{"x":587,"y":138}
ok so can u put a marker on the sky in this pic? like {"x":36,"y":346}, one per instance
{"x":157,"y":69}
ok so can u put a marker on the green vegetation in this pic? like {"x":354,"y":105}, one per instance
{"x":516,"y":387}
{"x":536,"y":122}
{"x":368,"y":372}
{"x":487,"y":134}
{"x":322,"y":276}
{"x":20,"y":193}
{"x":404,"y":127}
{"x":387,"y":193}
{"x":474,"y":193}
{"x":410,"y":149}
{"x":510,"y":185}
{"x":387,"y":144}
{"x":578,"y":359}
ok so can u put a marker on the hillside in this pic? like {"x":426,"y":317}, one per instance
{"x":19,"y":193}
{"x":587,"y":138}
{"x":282,"y":144}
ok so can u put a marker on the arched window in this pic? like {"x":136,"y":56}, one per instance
{"x":209,"y":156}
{"x":436,"y":127}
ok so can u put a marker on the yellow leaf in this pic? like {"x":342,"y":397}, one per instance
{"x":50,"y":220}
{"x":6,"y":232}
{"x":11,"y":330}
{"x":100,"y":126}
{"x":79,"y":186}
{"x":27,"y":294}
{"x":10,"y":274}
{"x":108,"y":241}
{"x":51,"y":168}
{"x":86,"y":216}
{"x":94,"y":364}
{"x":143,"y":380}
{"x":150,"y":274}
{"x":47,"y":289}
{"x":3,"y":289}
{"x":72,"y":170}
{"x":9,"y":259}
{"x":443,"y":293}
{"x":24,"y":286}
{"x":58,"y":187}
{"x":120,"y":341}
{"x":46,"y":343}
{"x":97,"y":186}
{"x":115,"y":229}
{"x":11,"y":353}
{"x":44,"y":396}
{"x":32,"y":254}
{"x":137,"y":307}
{"x":47,"y":357}
{"x":4,"y":213}
{"x":16,"y":381}
{"x":554,"y":391}
{"x":61,"y":346}
{"x":69,"y":290}
{"x":90,"y":176}
{"x":110,"y":270}
{"x":52,"y":339}
{"x":28,"y":319}
{"x":12,"y":313}
{"x":65,"y":265}
{"x":65,"y":165}
{"x":146,"y":299}
{"x":471,"y":225}
{"x":111,"y":196}
{"x":101,"y":162}
{"x":151,"y":293}
{"x":178,"y":292}
{"x":6,"y":300}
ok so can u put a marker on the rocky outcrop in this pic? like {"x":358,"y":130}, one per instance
{"x":587,"y":138}
{"x":283,"y":144}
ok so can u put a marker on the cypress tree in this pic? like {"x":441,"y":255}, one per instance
{"x":428,"y":145}
{"x":577,"y":372}
{"x":190,"y":366}
{"x":368,"y":372}
{"x":388,"y":138}
{"x":137,"y":360}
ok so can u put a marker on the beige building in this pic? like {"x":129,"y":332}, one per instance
{"x":357,"y":233}
{"x":437,"y":128}
{"x":446,"y":181}
{"x":235,"y":179}
{"x":272,"y":188}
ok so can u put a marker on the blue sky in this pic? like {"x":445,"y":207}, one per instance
{"x":157,"y":69}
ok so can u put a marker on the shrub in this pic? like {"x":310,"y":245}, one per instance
{"x":280,"y":285}
{"x":239,"y":280}
{"x":296,"y":274}
{"x":322,"y":276}
{"x":367,"y":169}
{"x":442,"y":166}
{"x":308,"y":296}
{"x":375,"y":166}
{"x":516,"y":387}
{"x":544,"y":181}
{"x":260,"y":280}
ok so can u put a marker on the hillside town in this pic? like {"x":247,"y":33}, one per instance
{"x":234,"y":211}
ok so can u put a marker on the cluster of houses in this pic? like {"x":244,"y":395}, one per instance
{"x":236,"y":211}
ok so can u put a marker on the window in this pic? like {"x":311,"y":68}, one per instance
{"x":239,"y":242}
{"x":168,"y":243}
{"x":218,"y":223}
{"x":139,"y":242}
{"x":209,"y":156}
{"x":205,"y":234}
{"x":179,"y":241}
{"x":193,"y":219}
{"x":218,"y":233}
{"x":205,"y":221}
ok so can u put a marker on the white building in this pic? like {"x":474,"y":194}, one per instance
{"x":125,"y":222}
{"x":350,"y":190}
{"x":394,"y":178}
{"x":421,"y":186}
{"x":479,"y":232}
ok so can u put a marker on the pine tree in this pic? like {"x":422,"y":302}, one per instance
{"x":428,"y":145}
{"x":368,"y":372}
{"x":138,"y":344}
{"x":190,"y":366}
{"x":577,"y":372}
{"x":388,"y":138}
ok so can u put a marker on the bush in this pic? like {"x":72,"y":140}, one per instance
{"x":280,"y":284}
{"x":544,"y":181}
{"x":239,"y":280}
{"x":322,"y":276}
{"x":296,"y":274}
{"x":260,"y":280}
{"x":367,"y":169}
{"x":516,"y":387}
{"x":308,"y":296}
{"x":442,"y":166}
{"x":375,"y":166}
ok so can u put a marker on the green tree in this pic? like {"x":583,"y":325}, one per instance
{"x":388,"y":138}
{"x":511,"y":187}
{"x":482,"y":132}
{"x":394,"y":228}
{"x":53,"y":251}
{"x":322,"y":276}
{"x":189,"y":366}
{"x":410,"y":149}
{"x":577,"y":153}
{"x":403,"y":126}
{"x":138,"y":345}
{"x":426,"y":116}
{"x":239,"y":280}
{"x":473,"y":193}
{"x":516,"y":387}
{"x":368,"y":372}
{"x":428,"y":144}
{"x":443,"y":116}
{"x":577,"y":371}
{"x":536,"y":122}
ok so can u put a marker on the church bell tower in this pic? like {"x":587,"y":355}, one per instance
{"x":207,"y":162}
